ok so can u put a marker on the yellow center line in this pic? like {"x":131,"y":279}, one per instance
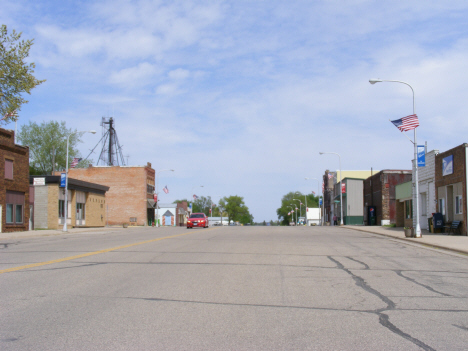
{"x":39,"y":264}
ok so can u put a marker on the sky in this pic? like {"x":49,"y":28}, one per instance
{"x":241,"y":96}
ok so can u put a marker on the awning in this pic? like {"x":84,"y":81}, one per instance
{"x":150,"y":203}
{"x":337,"y":197}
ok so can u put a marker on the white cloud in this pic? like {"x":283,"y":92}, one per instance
{"x":257,"y":87}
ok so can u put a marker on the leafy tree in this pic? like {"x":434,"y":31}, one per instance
{"x":15,"y":74}
{"x":288,"y":200}
{"x":202,"y":204}
{"x":236,"y":209}
{"x":45,"y":139}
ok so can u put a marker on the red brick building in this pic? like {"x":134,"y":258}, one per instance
{"x":130,"y":195}
{"x":451,"y":185}
{"x":14,"y":185}
{"x":379,"y":194}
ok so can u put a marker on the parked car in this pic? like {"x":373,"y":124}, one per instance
{"x":197,"y":220}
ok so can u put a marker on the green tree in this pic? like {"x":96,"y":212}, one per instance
{"x":202,"y":204}
{"x":46,"y":139}
{"x":236,"y":209}
{"x":289,"y":200}
{"x":15,"y":74}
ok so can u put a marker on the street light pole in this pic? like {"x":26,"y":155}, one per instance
{"x":300,"y":206}
{"x":415,"y":144}
{"x":157,"y":193}
{"x":341,"y":184}
{"x":65,"y":229}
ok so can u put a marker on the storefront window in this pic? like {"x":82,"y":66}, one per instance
{"x":9,"y":213}
{"x":409,"y":209}
{"x":19,"y":213}
{"x":458,"y":205}
{"x":61,"y":208}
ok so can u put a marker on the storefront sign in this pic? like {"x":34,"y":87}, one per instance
{"x":421,"y":156}
{"x":447,"y":165}
{"x":343,"y":188}
{"x":62,"y":180}
{"x":39,"y":181}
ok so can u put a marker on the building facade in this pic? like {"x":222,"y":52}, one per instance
{"x":379,"y":195}
{"x":353,"y":204}
{"x":451,"y":185}
{"x":427,"y":191}
{"x":404,"y":205}
{"x":130,"y":195}
{"x":14,"y":185}
{"x":86,"y":203}
{"x":172,"y":215}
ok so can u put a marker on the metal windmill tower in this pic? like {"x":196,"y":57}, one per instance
{"x":111,"y":152}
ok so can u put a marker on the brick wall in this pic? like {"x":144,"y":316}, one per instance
{"x":52,"y":208}
{"x":127,"y":195}
{"x":458,"y":175}
{"x":379,"y":191}
{"x":95,"y":210}
{"x":20,"y":182}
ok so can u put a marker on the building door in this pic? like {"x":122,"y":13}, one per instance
{"x":423,"y":211}
{"x":80,"y":214}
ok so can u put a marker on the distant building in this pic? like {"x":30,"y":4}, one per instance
{"x":427,"y":191}
{"x":451,"y":180}
{"x":86,"y":203}
{"x":172,"y":215}
{"x":332,"y":195}
{"x":379,"y":196}
{"x":14,"y":185}
{"x":130,"y":195}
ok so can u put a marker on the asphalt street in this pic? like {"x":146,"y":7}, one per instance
{"x":230,"y":288}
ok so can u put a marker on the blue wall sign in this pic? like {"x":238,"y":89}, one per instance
{"x":447,"y":165}
{"x":320,"y":202}
{"x":62,"y":180}
{"x":421,"y":156}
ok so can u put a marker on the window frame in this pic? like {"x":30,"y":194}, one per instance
{"x":459,"y":204}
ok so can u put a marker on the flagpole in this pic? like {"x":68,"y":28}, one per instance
{"x":417,"y":234}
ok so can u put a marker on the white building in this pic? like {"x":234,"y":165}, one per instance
{"x":313,"y":216}
{"x":427,"y":192}
{"x":217,"y":221}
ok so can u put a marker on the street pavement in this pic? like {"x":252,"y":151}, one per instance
{"x":457,"y":243}
{"x":230,"y":288}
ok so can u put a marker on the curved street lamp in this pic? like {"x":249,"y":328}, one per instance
{"x":157,"y":193}
{"x":415,"y":143}
{"x":341,"y":184}
{"x":65,"y":229}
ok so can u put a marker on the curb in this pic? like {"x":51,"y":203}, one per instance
{"x":436,"y":246}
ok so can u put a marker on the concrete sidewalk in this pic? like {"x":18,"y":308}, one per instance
{"x":455,"y":243}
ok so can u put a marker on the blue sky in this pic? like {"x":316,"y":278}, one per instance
{"x":240,"y":96}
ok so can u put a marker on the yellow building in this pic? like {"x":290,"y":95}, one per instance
{"x":355,"y":174}
{"x":86,"y":203}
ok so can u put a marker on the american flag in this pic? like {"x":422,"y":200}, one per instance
{"x":166,"y":190}
{"x":313,"y":192}
{"x":75,"y":161}
{"x":406,"y":123}
{"x":330,"y":175}
{"x":195,"y":197}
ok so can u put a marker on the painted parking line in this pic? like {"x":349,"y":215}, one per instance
{"x":39,"y":264}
